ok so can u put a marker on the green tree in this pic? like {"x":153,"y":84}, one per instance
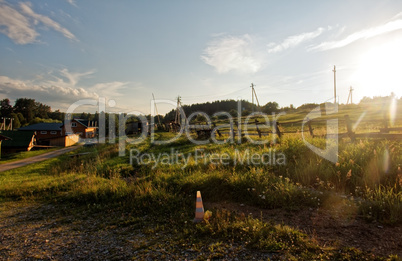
{"x":270,"y":107}
{"x":6,"y":108}
{"x":27,"y":107}
{"x":16,"y":121}
{"x":21,"y":119}
{"x":42,"y":110}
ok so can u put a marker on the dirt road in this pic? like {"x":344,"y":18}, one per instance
{"x":42,"y":157}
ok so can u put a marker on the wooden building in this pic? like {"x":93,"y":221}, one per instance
{"x":85,"y":128}
{"x":52,"y":134}
{"x":18,"y":141}
{"x":45,"y":132}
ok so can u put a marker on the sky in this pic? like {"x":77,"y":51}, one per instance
{"x":66,"y":51}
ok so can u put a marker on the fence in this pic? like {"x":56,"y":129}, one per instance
{"x":288,"y":127}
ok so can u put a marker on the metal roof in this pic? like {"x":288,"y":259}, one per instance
{"x":42,"y":127}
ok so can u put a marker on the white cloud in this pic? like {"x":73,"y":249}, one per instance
{"x":16,"y":26}
{"x":109,"y":89}
{"x":74,"y":77}
{"x":17,"y":88}
{"x":19,"y":25}
{"x":230,"y":53}
{"x":59,"y":92}
{"x":294,"y":40}
{"x":363,"y":34}
{"x":26,"y":8}
{"x":72,"y":2}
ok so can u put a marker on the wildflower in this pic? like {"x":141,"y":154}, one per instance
{"x":349,"y":175}
{"x":263,"y":197}
{"x":400,"y":179}
{"x":351,"y":161}
{"x":337,"y":164}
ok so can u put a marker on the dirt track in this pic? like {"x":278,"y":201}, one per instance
{"x":27,"y":161}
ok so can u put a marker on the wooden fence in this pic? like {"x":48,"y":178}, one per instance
{"x":288,"y":127}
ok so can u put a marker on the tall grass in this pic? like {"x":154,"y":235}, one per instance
{"x":367,"y":169}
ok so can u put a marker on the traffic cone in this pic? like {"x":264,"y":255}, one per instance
{"x":199,"y":209}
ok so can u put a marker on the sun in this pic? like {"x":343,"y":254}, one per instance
{"x":380,"y":70}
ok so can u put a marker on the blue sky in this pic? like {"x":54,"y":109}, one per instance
{"x":59,"y":52}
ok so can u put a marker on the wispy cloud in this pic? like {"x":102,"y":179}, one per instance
{"x":19,"y":25}
{"x":16,"y":25}
{"x":294,"y":40}
{"x":363,"y":34}
{"x":61,"y":88}
{"x":231,"y":53}
{"x":72,"y":2}
{"x":75,"y":77}
{"x":109,"y":89}
{"x":59,"y":95}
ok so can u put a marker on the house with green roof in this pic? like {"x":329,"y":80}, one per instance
{"x":17,"y":141}
{"x":3,"y":137}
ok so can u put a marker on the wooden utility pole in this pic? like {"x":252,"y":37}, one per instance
{"x":156,"y":110}
{"x":177,"y":118}
{"x":350,"y":95}
{"x":334,"y":84}
{"x":4,"y":126}
{"x":254,"y":94}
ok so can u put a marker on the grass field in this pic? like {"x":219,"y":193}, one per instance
{"x":148,"y":207}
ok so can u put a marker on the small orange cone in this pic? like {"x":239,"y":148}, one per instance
{"x":199,"y":209}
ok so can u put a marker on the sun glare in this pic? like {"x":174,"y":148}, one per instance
{"x":379,"y":71}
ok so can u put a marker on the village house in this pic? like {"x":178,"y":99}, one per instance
{"x":17,"y":141}
{"x":2,"y":137}
{"x":85,"y":128}
{"x":51,"y":134}
{"x":44,"y":131}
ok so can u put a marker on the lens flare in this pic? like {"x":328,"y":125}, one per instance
{"x":386,"y":161}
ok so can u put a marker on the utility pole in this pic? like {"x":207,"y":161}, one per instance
{"x":156,"y":110}
{"x":252,"y":96}
{"x":350,"y":95}
{"x":177,"y":118}
{"x":180,"y":114}
{"x":334,"y":84}
{"x":253,"y":93}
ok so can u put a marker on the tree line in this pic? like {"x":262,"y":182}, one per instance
{"x":230,"y":106}
{"x":26,"y":111}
